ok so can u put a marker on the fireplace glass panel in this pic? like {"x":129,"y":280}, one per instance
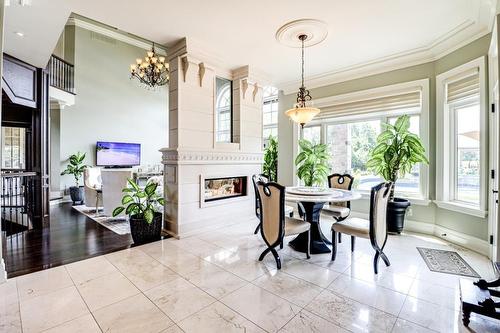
{"x":224,"y":188}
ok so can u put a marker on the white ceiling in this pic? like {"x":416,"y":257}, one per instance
{"x":363,"y":34}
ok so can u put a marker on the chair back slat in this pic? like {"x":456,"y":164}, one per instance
{"x":342,"y":182}
{"x":272,"y":203}
{"x":379,"y":199}
{"x":255,"y":180}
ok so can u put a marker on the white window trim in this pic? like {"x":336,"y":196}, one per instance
{"x":443,"y":150}
{"x":422,"y":85}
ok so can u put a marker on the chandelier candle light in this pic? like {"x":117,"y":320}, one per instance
{"x":152,"y":71}
{"x":303,"y":112}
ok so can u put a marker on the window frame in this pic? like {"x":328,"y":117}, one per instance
{"x":271,"y":99}
{"x":231,"y":112}
{"x":421,"y":198}
{"x":446,"y":145}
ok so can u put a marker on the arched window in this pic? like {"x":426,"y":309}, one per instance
{"x":223,"y":107}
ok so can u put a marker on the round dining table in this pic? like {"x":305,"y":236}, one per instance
{"x":312,"y":203}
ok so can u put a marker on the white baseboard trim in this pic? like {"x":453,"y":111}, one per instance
{"x":452,"y":236}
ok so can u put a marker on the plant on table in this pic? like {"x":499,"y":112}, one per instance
{"x":270,"y":167}
{"x":312,"y":163}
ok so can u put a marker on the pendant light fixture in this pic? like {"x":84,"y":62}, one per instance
{"x":303,"y":112}
{"x":152,"y":71}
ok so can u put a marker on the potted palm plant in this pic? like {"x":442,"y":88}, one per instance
{"x":312,"y":163}
{"x":270,"y":167}
{"x":396,"y":152}
{"x":76,"y":168}
{"x":142,"y":207}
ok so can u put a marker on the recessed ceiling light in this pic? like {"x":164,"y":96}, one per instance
{"x":19,"y":33}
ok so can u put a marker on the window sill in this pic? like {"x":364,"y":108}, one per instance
{"x":417,"y":201}
{"x":461,"y":208}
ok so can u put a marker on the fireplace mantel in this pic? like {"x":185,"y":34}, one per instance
{"x":175,"y":156}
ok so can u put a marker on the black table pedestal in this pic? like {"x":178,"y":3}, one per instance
{"x":312,"y":212}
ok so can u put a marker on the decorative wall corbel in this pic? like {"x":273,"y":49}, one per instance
{"x":244,"y":87}
{"x":185,"y":66}
{"x":201,"y":72}
{"x":255,"y":91}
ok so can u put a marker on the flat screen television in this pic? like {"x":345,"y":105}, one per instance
{"x":117,"y":154}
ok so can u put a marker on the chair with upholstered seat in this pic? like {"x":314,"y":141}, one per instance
{"x":275,"y":225}
{"x":264,"y":178}
{"x":374,"y":229}
{"x":339,"y":210}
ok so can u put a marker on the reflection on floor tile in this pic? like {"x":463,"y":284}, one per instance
{"x":213,"y":282}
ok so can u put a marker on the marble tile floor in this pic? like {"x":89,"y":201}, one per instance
{"x":212,"y":282}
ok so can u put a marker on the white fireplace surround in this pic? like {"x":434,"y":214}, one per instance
{"x":194,"y":153}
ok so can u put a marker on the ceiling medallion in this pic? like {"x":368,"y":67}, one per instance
{"x":152,"y":71}
{"x":315,"y":30}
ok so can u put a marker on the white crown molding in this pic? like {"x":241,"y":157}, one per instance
{"x":115,"y":34}
{"x":440,"y":47}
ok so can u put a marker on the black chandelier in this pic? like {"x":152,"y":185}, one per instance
{"x":152,"y":71}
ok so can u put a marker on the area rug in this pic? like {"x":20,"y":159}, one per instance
{"x":449,"y":262}
{"x":118,"y":225}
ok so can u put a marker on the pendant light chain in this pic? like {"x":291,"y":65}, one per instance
{"x":302,"y":39}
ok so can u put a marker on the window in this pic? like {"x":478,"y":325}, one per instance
{"x":14,"y":146}
{"x":350,"y":124}
{"x":467,"y":153}
{"x":312,"y":134}
{"x":350,"y":146}
{"x":461,"y":165}
{"x":223,"y":107}
{"x":270,"y":114}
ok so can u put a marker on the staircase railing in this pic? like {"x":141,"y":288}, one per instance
{"x":61,"y":74}
{"x":17,"y":200}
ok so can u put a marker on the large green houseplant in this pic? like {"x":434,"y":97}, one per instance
{"x":270,"y":167}
{"x":76,"y":168}
{"x":142,"y":207}
{"x":312,"y":163}
{"x":396,"y":153}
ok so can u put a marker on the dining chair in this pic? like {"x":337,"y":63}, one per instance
{"x":374,"y":229}
{"x":275,"y":225}
{"x":264,"y":178}
{"x":339,"y":210}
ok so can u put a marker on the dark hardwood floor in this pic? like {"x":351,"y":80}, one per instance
{"x":71,"y":237}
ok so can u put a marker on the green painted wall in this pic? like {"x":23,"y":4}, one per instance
{"x":467,"y":224}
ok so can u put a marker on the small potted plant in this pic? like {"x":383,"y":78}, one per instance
{"x":395,"y":154}
{"x":76,"y":168}
{"x":142,"y":207}
{"x":270,"y":167}
{"x":312,"y":163}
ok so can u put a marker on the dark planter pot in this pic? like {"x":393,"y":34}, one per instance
{"x":142,"y":232}
{"x":396,"y":211}
{"x":76,"y":194}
